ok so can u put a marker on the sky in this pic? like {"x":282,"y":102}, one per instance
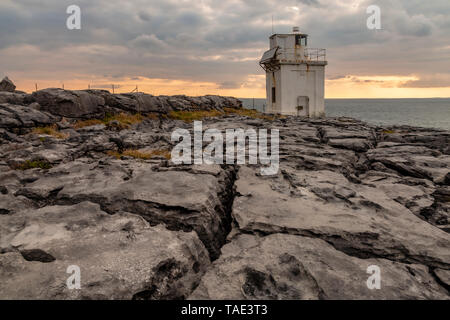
{"x":198,"y":47}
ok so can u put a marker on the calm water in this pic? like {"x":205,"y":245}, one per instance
{"x":433,"y":113}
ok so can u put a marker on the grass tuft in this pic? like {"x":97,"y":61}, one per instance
{"x":125,"y":120}
{"x":30,"y":164}
{"x":189,"y":116}
{"x":87,"y":123}
{"x":51,"y":131}
{"x":141,"y":154}
{"x":251,"y":113}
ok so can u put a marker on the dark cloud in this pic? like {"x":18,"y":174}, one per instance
{"x":336,"y":77}
{"x":310,"y":2}
{"x":230,"y":85}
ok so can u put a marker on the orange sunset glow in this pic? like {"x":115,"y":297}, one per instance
{"x":254,"y":87}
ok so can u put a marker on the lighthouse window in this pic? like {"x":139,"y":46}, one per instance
{"x":300,"y":40}
{"x":273,"y":95}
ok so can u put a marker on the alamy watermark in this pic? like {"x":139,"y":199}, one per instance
{"x":374,"y":281}
{"x":235,"y":140}
{"x":74,"y":280}
{"x":374,"y":20}
{"x":73,"y":22}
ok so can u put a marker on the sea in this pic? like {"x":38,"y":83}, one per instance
{"x":428,"y":113}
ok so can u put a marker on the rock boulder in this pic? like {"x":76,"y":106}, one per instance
{"x":7,"y":85}
{"x":119,"y":257}
{"x":70,"y":104}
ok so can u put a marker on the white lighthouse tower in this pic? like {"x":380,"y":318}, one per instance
{"x":295,"y":76}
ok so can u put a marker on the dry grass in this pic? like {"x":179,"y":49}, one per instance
{"x":189,"y":116}
{"x":125,"y":120}
{"x":251,"y":113}
{"x":29,"y":164}
{"x":87,"y":123}
{"x":153,"y":116}
{"x":140,"y":154}
{"x":51,"y":131}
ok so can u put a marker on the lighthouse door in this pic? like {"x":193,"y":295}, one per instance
{"x":303,"y":106}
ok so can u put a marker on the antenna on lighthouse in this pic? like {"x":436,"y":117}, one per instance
{"x":272,"y":24}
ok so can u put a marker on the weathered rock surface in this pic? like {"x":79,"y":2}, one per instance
{"x":14,"y":116}
{"x":282,"y":266}
{"x":119,"y":256}
{"x":180,"y":199}
{"x":95,"y":104}
{"x":145,"y":103}
{"x":70,"y":104}
{"x":311,"y":231}
{"x":347,"y":195}
{"x":15,"y":98}
{"x":359,"y":220}
{"x":7,"y":85}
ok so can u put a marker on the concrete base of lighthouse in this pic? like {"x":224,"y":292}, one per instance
{"x":296,"y":89}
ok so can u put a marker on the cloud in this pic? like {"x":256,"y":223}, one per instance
{"x":218,"y":41}
{"x":151,"y":42}
{"x":428,"y":81}
{"x":229,"y":85}
{"x":336,"y":77}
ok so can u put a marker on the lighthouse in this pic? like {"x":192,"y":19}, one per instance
{"x":295,"y":76}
